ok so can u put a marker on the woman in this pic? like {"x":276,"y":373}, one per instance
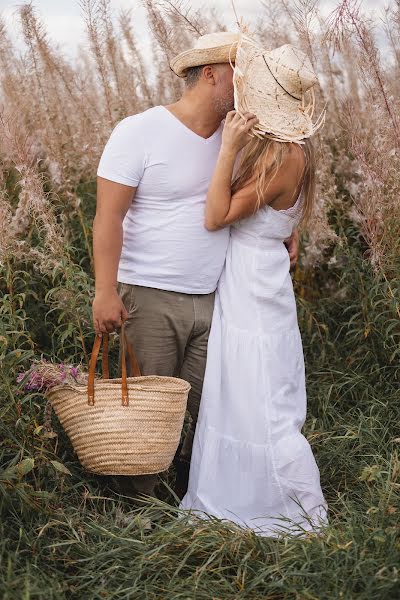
{"x":250,"y":462}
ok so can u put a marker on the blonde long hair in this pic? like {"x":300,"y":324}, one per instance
{"x":261,"y":159}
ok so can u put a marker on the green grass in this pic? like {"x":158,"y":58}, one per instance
{"x":70,"y":536}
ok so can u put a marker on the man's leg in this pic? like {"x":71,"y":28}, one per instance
{"x":192,"y":370}
{"x":158,"y":327}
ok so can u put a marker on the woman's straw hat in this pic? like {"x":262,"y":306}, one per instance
{"x":209,"y":49}
{"x":277,"y":86}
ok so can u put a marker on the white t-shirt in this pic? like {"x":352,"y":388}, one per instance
{"x":165,"y":243}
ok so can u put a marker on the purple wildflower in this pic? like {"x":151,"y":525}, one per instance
{"x":74,"y":372}
{"x":35,"y":382}
{"x":43,"y":375}
{"x":63,"y":372}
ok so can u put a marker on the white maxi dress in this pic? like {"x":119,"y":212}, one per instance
{"x":250,"y":462}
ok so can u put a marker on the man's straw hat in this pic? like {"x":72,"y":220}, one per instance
{"x":209,"y":49}
{"x":277,"y":86}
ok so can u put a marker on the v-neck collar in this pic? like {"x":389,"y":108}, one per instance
{"x":190,"y":131}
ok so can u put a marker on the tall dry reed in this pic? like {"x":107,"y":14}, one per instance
{"x":68,"y":110}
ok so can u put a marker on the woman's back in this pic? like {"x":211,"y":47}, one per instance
{"x":269,"y":222}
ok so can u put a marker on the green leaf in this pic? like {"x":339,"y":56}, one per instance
{"x":49,"y":435}
{"x":370,"y":473}
{"x":25,"y":466}
{"x":60,"y":467}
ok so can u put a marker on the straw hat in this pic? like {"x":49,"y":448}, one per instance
{"x":277,"y":86}
{"x":209,"y":49}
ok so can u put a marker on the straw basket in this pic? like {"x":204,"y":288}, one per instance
{"x":126,"y":426}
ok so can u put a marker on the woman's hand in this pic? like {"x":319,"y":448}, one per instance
{"x":236,"y":131}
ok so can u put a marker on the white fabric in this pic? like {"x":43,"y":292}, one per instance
{"x":250,"y":461}
{"x":165,"y":243}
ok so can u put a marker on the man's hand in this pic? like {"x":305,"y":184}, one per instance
{"x":108,"y":311}
{"x":292,"y":245}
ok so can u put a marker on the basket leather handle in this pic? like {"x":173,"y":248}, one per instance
{"x":104,"y":359}
{"x":125,"y":347}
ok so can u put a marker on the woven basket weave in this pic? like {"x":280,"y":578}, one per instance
{"x":126,"y":426}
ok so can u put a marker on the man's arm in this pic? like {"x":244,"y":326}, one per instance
{"x":113,"y":202}
{"x":292,"y":245}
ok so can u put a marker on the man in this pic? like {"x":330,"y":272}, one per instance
{"x":156,"y":266}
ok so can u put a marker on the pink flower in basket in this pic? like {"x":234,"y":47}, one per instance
{"x":44,"y":375}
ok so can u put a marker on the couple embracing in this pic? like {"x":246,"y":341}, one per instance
{"x":194,"y":235}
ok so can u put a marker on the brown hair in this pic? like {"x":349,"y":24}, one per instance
{"x":261,"y":159}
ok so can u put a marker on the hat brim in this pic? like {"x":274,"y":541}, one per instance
{"x":279,"y":117}
{"x":202,"y":56}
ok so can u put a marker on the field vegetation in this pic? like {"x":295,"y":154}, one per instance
{"x":64,"y":533}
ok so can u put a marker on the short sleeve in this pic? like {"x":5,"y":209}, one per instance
{"x":123,"y":157}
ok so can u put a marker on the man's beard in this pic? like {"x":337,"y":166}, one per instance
{"x":223,"y":105}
